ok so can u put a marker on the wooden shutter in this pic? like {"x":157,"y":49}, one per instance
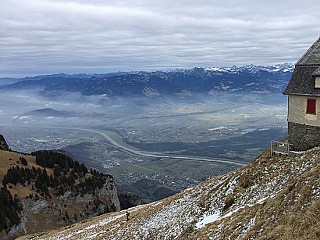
{"x":311,"y":106}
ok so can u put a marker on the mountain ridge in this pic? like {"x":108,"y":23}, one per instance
{"x":178,"y":82}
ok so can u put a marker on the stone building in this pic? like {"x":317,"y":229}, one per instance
{"x":303,"y":92}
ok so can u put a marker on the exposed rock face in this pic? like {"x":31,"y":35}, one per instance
{"x":3,"y":144}
{"x":47,"y":189}
{"x":45,"y":214}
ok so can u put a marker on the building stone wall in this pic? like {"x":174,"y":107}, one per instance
{"x":303,"y":137}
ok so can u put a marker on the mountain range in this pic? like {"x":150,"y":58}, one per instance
{"x":179,"y":82}
{"x":274,"y":197}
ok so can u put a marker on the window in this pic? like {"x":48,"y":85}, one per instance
{"x":311,"y":106}
{"x":317,"y":82}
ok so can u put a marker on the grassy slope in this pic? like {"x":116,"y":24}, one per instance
{"x":50,"y":217}
{"x":272,"y":198}
{"x":11,"y":159}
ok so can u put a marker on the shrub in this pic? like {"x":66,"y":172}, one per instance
{"x":245,"y":181}
{"x":228,"y":202}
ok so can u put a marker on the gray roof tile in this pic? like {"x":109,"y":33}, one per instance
{"x":302,"y":81}
{"x":312,"y":56}
{"x":316,"y":72}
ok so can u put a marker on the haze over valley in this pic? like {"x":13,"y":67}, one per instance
{"x":144,"y":136}
{"x":161,"y":113}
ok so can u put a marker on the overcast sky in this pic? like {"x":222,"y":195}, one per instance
{"x":75,"y":36}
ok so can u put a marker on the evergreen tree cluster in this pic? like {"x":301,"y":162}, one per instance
{"x":24,"y":176}
{"x":9,"y":210}
{"x":96,"y":181}
{"x":58,"y":173}
{"x":23,"y":161}
{"x":66,"y":172}
{"x":52,"y":159}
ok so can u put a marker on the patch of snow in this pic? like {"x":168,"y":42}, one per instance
{"x":91,"y":230}
{"x":251,"y":84}
{"x":247,"y":228}
{"x":217,"y":69}
{"x":248,"y":130}
{"x":207,"y":219}
{"x":201,"y":206}
{"x":225,"y":87}
{"x":217,"y":128}
{"x":263,"y":129}
{"x":40,"y":140}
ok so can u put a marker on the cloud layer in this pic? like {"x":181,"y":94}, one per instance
{"x":48,"y":36}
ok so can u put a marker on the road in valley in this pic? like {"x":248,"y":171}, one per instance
{"x":159,"y":154}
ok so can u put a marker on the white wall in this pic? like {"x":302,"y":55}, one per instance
{"x":297,"y":111}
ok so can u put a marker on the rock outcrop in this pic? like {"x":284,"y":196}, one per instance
{"x":47,"y":189}
{"x":3,"y":144}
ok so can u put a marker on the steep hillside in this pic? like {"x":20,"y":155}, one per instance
{"x":48,"y":189}
{"x":272,"y":198}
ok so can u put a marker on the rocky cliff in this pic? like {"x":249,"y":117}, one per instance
{"x":3,"y":143}
{"x":47,"y":189}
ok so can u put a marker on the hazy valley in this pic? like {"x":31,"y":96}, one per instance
{"x":153,"y":143}
{"x":159,"y":120}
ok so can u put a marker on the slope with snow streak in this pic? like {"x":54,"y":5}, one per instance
{"x":248,"y":203}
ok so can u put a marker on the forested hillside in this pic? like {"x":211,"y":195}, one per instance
{"x":47,"y":189}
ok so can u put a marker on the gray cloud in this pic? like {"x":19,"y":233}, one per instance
{"x":43,"y":36}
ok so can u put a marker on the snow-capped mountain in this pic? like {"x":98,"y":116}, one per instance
{"x":261,"y":79}
{"x":275,"y":197}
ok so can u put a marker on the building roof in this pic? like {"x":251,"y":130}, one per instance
{"x":312,"y":56}
{"x":316,"y":72}
{"x":302,"y":81}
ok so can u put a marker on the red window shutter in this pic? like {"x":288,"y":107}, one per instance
{"x":311,"y":106}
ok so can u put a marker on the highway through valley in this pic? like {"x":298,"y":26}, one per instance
{"x":159,"y":154}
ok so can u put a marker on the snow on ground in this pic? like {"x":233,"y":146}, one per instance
{"x":217,"y":128}
{"x":247,"y":228}
{"x":201,"y":206}
{"x":89,"y":232}
{"x":207,"y":219}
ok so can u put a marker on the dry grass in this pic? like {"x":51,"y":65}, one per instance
{"x":294,"y":212}
{"x":54,"y":214}
{"x":11,"y":159}
{"x":291,"y":211}
{"x":300,"y":225}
